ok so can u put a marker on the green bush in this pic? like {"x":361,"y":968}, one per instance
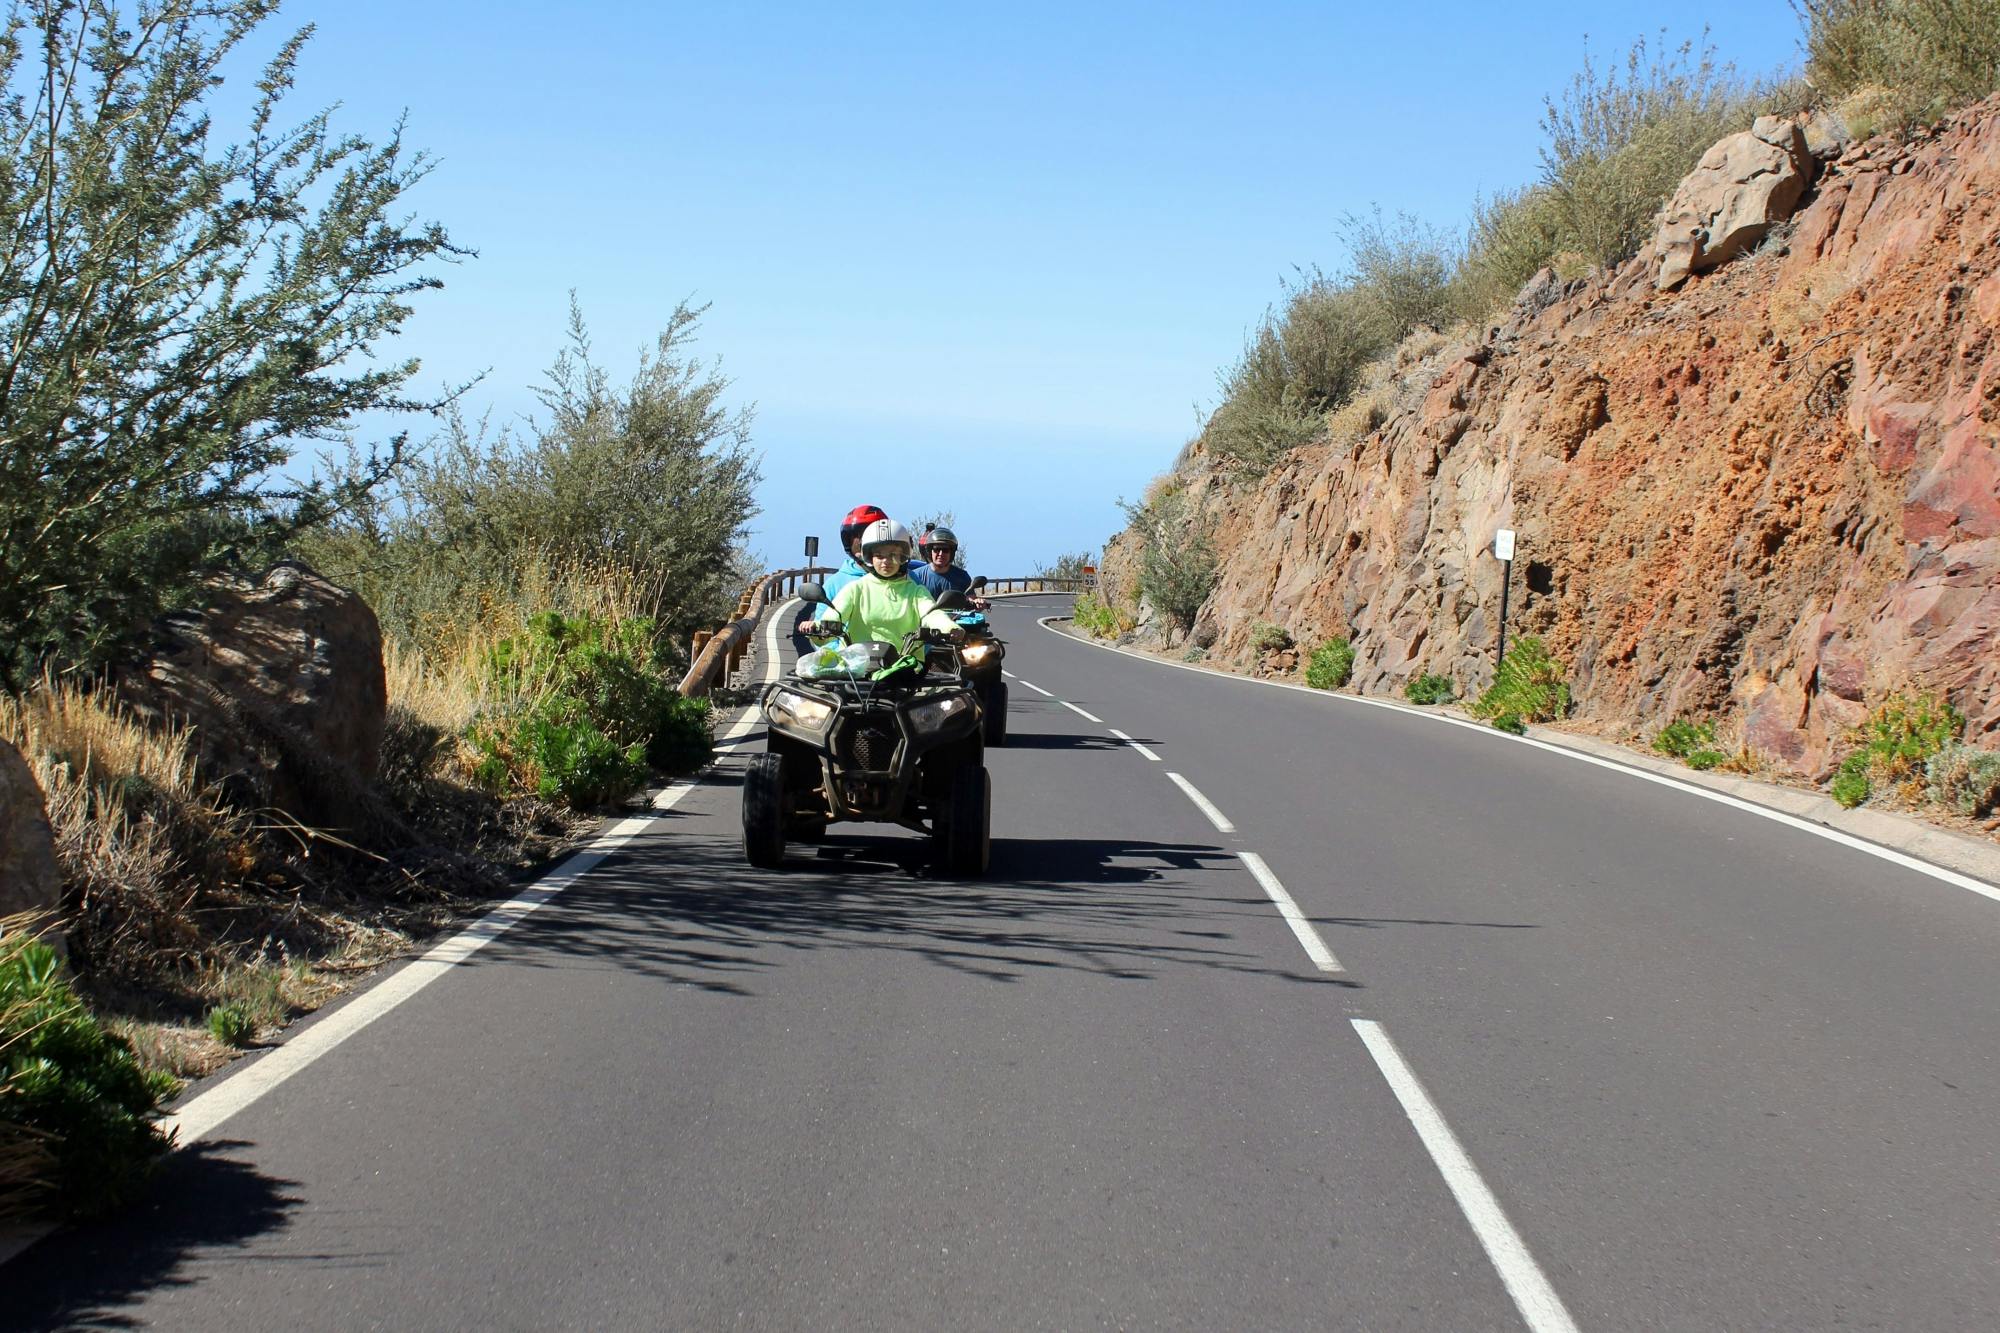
{"x":1268,"y":638}
{"x":1621,"y":138}
{"x":592,"y":709}
{"x":1964,"y":778}
{"x":1850,"y":784}
{"x":1194,"y":653}
{"x":1178,"y":566}
{"x":1529,"y":683}
{"x":1681,"y":738}
{"x":1511,"y":723}
{"x":1704,"y":760}
{"x":1915,"y":59}
{"x":231,"y":1024}
{"x":69,"y":1090}
{"x":1097,"y":617}
{"x":1330,"y":665}
{"x":1430,"y":690}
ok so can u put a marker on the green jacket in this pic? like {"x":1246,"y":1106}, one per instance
{"x":886,"y":610}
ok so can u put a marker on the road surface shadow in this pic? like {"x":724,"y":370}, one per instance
{"x":685,"y":908}
{"x":205,"y":1204}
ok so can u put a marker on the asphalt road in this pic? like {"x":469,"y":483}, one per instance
{"x":1545,"y":1043}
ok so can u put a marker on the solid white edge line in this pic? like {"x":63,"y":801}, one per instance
{"x":203,"y":1114}
{"x":1137,"y":745}
{"x":1540,"y":1307}
{"x":1314,"y":946}
{"x":1088,"y":717}
{"x":1202,"y":803}
{"x":1848,"y":840}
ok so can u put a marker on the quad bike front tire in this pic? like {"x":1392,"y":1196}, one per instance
{"x":996,"y":713}
{"x":764,"y":811}
{"x":967,"y":830}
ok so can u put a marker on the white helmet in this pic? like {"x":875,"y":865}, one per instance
{"x":882,"y":532}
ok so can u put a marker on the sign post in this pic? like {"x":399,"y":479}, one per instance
{"x":812,"y":553}
{"x":1503,"y":547}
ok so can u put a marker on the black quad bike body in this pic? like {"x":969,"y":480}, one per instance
{"x":899,"y":746}
{"x":979,"y":662}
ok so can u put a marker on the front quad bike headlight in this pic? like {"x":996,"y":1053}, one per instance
{"x":929,"y":717}
{"x":792,"y":709}
{"x":979,"y":654}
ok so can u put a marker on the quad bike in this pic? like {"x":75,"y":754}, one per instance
{"x":877,"y":733}
{"x":980,"y":659}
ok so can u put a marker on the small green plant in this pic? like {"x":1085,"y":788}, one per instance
{"x":1330,"y":665}
{"x":1896,"y":745}
{"x":1429,"y":690}
{"x":1850,"y":784}
{"x":1194,"y":653}
{"x":1511,"y":723}
{"x":1097,"y":617}
{"x":1529,"y":683}
{"x":1964,"y":778}
{"x":1705,"y":759}
{"x":1268,"y":638}
{"x":231,"y":1024}
{"x":1682,"y":738}
{"x":76,"y":1110}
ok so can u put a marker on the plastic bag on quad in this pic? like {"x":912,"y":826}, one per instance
{"x":856,"y":661}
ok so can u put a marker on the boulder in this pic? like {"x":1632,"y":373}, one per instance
{"x":1742,"y":187}
{"x":30,"y":880}
{"x":281,"y":679}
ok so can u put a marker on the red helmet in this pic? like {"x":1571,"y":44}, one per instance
{"x":856,"y":522}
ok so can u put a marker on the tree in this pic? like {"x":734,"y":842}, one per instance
{"x":1178,"y":565}
{"x":176,"y":318}
{"x":650,"y":483}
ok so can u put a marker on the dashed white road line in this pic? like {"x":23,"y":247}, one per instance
{"x":1087,"y":716}
{"x":1314,"y":946}
{"x":1537,"y":1301}
{"x":1202,"y":803}
{"x":1036,"y":688}
{"x":1141,"y":748}
{"x":1943,"y":874}
{"x":202,"y":1114}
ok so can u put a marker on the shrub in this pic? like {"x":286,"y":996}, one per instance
{"x":1964,"y":778}
{"x":1706,"y":759}
{"x":587,"y":708}
{"x":1330,"y":665}
{"x":1681,"y":738}
{"x":1904,"y":731}
{"x":1621,"y":139}
{"x":1069,"y":565}
{"x":1512,"y":237}
{"x":76,"y":1111}
{"x":1529,"y":683}
{"x":1429,"y":690}
{"x":1194,"y":653}
{"x":1098,"y":617}
{"x":1850,"y":784}
{"x":642,"y":489}
{"x":1511,"y":723}
{"x":1268,"y":638}
{"x":1914,"y":60}
{"x":1177,"y":561}
{"x":231,"y":1024}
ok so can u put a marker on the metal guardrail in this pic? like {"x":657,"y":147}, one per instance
{"x":719,"y":652}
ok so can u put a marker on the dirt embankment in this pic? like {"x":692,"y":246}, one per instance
{"x":1771,"y":495}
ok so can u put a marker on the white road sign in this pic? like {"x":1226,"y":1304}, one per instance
{"x":1503,"y":544}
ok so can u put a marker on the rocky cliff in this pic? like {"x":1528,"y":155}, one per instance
{"x":1767,"y":493}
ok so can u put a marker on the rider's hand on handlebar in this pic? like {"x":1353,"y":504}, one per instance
{"x":958,"y":634}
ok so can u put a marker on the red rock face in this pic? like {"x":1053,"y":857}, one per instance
{"x":1771,"y":495}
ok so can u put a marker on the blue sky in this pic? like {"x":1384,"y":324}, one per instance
{"x":982,"y":258}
